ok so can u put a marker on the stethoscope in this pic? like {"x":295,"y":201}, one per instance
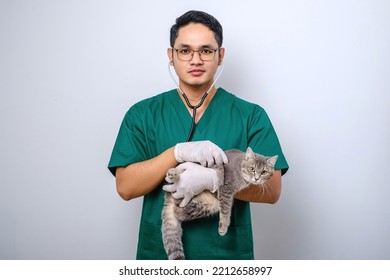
{"x":194,"y":108}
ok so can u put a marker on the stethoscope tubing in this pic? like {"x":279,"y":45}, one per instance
{"x":194,"y":108}
{"x":193,"y":112}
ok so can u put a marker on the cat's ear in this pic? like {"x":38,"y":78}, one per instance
{"x":249,"y":154}
{"x":272,"y":160}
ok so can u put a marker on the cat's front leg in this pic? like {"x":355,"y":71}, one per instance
{"x":172,"y":175}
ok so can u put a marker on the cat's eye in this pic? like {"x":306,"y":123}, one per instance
{"x":264,"y":172}
{"x":252,"y":169}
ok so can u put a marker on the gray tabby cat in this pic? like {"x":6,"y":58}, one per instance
{"x":242,"y":170}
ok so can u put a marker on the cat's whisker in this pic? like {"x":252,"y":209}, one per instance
{"x":260,"y":190}
{"x":264,"y":189}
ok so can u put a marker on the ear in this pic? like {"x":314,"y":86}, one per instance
{"x":249,"y":154}
{"x":170,"y":55}
{"x":272,"y":160}
{"x":221,"y":55}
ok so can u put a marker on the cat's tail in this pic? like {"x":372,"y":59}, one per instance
{"x":171,"y":230}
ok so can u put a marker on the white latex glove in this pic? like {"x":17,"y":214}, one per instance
{"x":193,"y":179}
{"x":204,"y":152}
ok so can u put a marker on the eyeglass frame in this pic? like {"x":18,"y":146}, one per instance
{"x":194,"y":51}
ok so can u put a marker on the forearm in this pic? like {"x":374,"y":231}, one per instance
{"x":269,"y":193}
{"x":141,"y":178}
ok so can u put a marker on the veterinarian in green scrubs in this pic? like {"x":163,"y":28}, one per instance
{"x":144,"y":149}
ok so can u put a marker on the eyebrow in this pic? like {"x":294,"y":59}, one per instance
{"x":208,"y":46}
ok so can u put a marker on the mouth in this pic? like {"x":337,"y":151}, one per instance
{"x":196,"y":72}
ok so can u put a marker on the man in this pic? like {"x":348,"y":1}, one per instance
{"x":152,"y":139}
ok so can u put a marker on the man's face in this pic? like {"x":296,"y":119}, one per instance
{"x":195,"y":72}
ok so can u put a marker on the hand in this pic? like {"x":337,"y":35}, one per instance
{"x":204,"y":152}
{"x":193,"y":179}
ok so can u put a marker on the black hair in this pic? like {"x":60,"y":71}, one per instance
{"x":197,"y":17}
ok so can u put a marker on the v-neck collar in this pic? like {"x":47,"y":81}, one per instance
{"x":207,"y":114}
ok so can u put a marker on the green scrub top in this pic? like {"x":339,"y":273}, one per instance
{"x":160,"y":122}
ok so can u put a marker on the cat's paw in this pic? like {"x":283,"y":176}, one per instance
{"x":172,"y":175}
{"x":222,"y":229}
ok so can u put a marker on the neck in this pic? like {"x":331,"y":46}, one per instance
{"x":196,"y":92}
{"x":197,"y":100}
{"x":195,"y":97}
{"x":198,"y":95}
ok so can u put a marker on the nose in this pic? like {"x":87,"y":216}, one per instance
{"x":196,"y":58}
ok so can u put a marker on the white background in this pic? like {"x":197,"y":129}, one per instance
{"x":69,"y":70}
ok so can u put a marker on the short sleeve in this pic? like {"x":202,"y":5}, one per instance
{"x":130,"y":145}
{"x":263,"y":138}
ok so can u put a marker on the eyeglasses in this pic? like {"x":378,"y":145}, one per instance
{"x":188,"y":54}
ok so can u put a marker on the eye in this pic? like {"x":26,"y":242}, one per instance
{"x":184,"y":51}
{"x":264,"y":172}
{"x":252,"y":169}
{"x":207,"y":51}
